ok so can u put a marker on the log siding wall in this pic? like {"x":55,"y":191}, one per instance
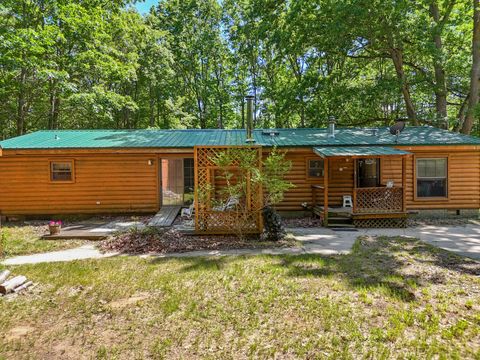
{"x":463,"y":179}
{"x":124,"y":182}
{"x":102,"y":184}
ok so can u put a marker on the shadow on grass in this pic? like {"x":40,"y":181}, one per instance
{"x":397,"y":266}
{"x":197,"y":263}
{"x":206,"y":264}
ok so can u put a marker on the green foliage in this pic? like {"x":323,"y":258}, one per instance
{"x":239,"y":166}
{"x":240,"y":173}
{"x":275,"y":168}
{"x":189,"y":64}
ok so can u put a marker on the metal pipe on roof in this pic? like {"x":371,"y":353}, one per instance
{"x":331,"y":126}
{"x":249,"y":122}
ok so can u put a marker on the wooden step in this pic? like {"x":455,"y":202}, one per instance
{"x":339,"y":219}
{"x":337,"y":225}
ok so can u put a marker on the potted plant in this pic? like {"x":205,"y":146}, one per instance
{"x":54,"y":227}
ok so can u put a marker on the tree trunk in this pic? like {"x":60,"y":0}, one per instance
{"x":475,"y":71}
{"x":397,"y":58}
{"x":152,"y":107}
{"x":243,"y":113}
{"x":201,"y":118}
{"x":220,"y":119}
{"x":54,"y":107}
{"x":440,"y":82}
{"x":461,"y":114}
{"x":21,"y":103}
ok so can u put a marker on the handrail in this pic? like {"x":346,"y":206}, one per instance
{"x":315,"y":188}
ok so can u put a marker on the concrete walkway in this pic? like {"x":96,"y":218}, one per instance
{"x":94,"y":230}
{"x":463,"y":240}
{"x":80,"y":253}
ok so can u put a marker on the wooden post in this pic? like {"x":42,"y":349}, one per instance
{"x":404,"y":183}
{"x":260,"y":199}
{"x":354,"y":199}
{"x":325,"y":193}
{"x":195,"y":186}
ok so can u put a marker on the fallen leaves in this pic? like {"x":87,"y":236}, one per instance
{"x":152,"y":240}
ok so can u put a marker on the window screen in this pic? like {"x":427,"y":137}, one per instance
{"x":315,"y":168}
{"x":61,"y":171}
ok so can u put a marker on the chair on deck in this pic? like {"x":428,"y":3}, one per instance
{"x":347,"y":201}
{"x":229,"y":205}
{"x":188,"y":212}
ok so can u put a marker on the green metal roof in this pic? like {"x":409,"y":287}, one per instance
{"x":333,"y":151}
{"x":73,"y":139}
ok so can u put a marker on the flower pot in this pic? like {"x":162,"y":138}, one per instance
{"x":54,"y":229}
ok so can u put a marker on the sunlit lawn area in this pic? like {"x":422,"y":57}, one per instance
{"x":390,"y":298}
{"x":26,"y":239}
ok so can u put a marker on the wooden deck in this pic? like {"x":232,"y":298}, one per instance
{"x":344,"y":217}
{"x":166,"y":216}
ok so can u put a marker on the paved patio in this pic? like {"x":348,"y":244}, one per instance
{"x":463,"y":240}
{"x":93,"y":230}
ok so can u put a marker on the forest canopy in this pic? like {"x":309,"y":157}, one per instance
{"x":89,"y":64}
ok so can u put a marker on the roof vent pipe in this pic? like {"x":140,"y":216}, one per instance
{"x":249,"y":122}
{"x":331,"y":126}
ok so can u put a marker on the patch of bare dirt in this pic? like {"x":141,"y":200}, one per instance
{"x":133,"y":300}
{"x":19,"y":332}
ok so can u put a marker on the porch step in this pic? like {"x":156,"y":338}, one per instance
{"x":340,"y":225}
{"x":333,"y":212}
{"x":339,"y":220}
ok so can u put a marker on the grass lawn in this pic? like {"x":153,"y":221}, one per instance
{"x":390,"y":298}
{"x":26,"y":239}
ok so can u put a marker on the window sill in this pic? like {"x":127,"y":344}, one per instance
{"x":433,"y":198}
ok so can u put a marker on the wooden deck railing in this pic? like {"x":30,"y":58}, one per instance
{"x":378,"y":200}
{"x":317,"y":195}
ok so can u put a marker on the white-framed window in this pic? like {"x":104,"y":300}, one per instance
{"x":432,"y":177}
{"x":315,"y":168}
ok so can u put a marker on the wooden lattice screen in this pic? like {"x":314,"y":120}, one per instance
{"x":210,"y":220}
{"x":379,"y":200}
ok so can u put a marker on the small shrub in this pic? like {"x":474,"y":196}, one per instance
{"x":272,"y":222}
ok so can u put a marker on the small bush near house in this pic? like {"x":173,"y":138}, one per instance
{"x":273,"y":226}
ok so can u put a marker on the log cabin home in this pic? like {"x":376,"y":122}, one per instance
{"x":372,"y":176}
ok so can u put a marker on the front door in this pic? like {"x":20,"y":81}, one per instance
{"x":177,"y":181}
{"x":368,"y":172}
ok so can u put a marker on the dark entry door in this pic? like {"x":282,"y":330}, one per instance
{"x":368,"y":172}
{"x":177,"y":181}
